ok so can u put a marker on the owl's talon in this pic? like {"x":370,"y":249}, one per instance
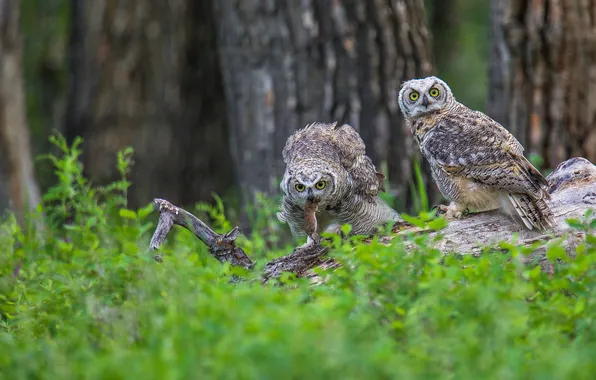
{"x":316,"y":238}
{"x":453,"y":211}
{"x":311,"y":240}
{"x":441,"y":209}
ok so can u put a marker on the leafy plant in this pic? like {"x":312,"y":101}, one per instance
{"x":86,"y":300}
{"x":418,"y":189}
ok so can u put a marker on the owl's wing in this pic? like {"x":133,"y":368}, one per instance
{"x":365,"y":179}
{"x":486,"y":153}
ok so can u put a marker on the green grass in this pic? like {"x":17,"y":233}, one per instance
{"x":84,"y":299}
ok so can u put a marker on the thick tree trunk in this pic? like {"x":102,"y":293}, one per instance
{"x":146,"y":74}
{"x":289,"y":63}
{"x":16,"y":162}
{"x":541,"y":75}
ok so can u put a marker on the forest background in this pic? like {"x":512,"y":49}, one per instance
{"x":207,"y":92}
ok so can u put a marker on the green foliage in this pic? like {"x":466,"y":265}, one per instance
{"x":418,"y":189}
{"x":86,"y":300}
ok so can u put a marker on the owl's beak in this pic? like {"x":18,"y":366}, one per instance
{"x":425,"y":101}
{"x":310,"y":196}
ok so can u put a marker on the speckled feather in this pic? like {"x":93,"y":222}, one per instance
{"x":341,"y":148}
{"x":338,"y":153}
{"x":475,"y":161}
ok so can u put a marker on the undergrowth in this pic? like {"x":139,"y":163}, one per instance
{"x":84,"y":299}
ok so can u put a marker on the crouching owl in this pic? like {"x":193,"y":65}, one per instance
{"x":475,"y":162}
{"x":327,"y":172}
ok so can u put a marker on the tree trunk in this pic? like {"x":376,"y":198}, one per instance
{"x":289,"y":63}
{"x":146,"y":74}
{"x":541,"y":75}
{"x":15,"y":149}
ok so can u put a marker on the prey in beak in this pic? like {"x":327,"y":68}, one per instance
{"x":311,"y":207}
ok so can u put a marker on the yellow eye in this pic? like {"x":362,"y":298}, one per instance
{"x":299,"y":187}
{"x":414,"y":96}
{"x":320,"y":185}
{"x":434,"y":92}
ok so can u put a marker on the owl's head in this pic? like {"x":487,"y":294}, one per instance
{"x":418,"y":97}
{"x":310,"y":183}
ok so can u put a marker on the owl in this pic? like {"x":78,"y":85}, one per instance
{"x":475,"y":162}
{"x":328,"y":173}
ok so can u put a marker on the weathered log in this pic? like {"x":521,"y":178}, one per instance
{"x":572,"y":188}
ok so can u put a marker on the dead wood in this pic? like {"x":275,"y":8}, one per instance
{"x":572,"y":188}
{"x":222,"y":247}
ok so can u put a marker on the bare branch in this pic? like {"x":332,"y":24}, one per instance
{"x":222,"y":247}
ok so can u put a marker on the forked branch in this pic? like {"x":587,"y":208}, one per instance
{"x":222,"y":247}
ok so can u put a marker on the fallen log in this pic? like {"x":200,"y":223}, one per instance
{"x":572,"y":187}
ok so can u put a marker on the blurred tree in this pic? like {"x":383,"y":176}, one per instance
{"x":460,"y":32}
{"x":45,"y":30}
{"x":17,"y":179}
{"x":146,"y":74}
{"x":443,"y":19}
{"x":542,"y":75}
{"x":289,"y":63}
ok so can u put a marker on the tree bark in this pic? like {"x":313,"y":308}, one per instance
{"x":146,"y":74}
{"x":541,"y":75}
{"x":289,"y":63}
{"x":15,"y":147}
{"x":572,"y":189}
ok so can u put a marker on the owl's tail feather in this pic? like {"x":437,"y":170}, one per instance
{"x":534,"y":213}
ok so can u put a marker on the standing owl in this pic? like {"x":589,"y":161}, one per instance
{"x":475,"y":162}
{"x":327,"y":172}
